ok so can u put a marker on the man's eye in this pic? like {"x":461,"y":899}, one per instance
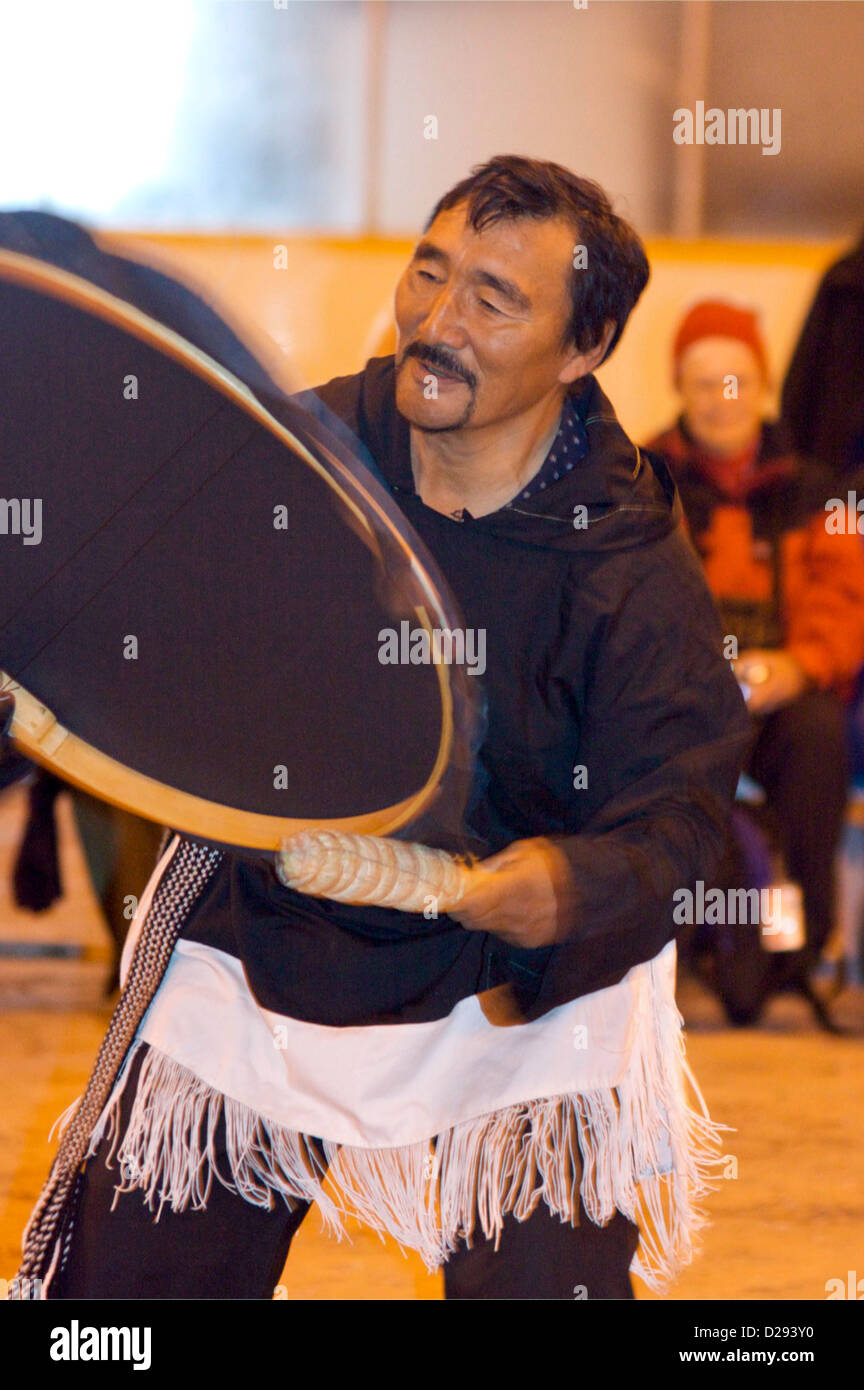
{"x":487,"y":305}
{"x":427,"y":275}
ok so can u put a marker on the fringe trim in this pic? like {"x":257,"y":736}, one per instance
{"x":639,"y":1147}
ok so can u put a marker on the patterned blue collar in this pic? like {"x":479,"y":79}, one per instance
{"x":569,"y":447}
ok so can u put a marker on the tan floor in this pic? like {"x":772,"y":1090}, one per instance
{"x":791,"y":1220}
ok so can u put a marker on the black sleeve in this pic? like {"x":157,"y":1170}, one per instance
{"x":823,"y":397}
{"x":801,"y":384}
{"x":665,"y":732}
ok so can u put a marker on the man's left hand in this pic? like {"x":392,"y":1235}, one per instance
{"x":524,"y":894}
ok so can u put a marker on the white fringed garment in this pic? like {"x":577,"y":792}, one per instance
{"x":430,"y":1129}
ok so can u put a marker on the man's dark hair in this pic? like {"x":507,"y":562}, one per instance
{"x":511,"y":186}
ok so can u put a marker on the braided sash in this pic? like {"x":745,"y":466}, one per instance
{"x":185,"y":876}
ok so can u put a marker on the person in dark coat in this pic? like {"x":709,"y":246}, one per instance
{"x":822,"y":400}
{"x":614,"y":736}
{"x":823,"y":408}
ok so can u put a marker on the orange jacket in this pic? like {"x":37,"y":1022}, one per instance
{"x":822,"y":574}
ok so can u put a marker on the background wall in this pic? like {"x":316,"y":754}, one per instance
{"x":236,"y":115}
{"x":806,"y":59}
{"x":588,"y":88}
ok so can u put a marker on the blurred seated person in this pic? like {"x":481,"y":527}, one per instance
{"x":788,"y":591}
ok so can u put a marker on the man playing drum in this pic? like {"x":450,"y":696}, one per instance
{"x":498,"y":1086}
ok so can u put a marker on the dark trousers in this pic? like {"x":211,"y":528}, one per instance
{"x":800,"y":758}
{"x":234,"y":1250}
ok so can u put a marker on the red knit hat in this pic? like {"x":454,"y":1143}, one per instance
{"x":713,"y":318}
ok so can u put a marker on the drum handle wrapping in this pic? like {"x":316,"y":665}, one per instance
{"x":370,"y":869}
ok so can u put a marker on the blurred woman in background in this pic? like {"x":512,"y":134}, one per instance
{"x":790,"y":592}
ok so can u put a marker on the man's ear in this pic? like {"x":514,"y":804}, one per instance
{"x":581,"y":363}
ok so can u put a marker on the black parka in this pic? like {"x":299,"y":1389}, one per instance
{"x":615,"y":725}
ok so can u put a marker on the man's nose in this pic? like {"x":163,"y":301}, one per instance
{"x":444,"y":321}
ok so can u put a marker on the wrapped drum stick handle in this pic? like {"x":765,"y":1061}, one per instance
{"x":370,"y":869}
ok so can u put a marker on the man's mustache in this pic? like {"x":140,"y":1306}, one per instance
{"x":434,"y":357}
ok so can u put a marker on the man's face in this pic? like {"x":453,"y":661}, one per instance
{"x":722,"y":390}
{"x":480,"y":318}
